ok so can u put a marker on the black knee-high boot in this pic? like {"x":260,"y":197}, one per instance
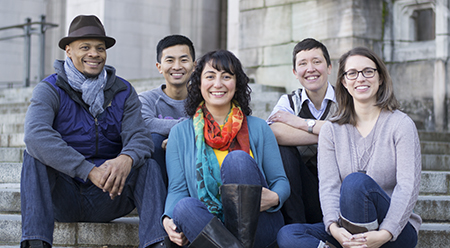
{"x":241,"y":206}
{"x":215,"y":235}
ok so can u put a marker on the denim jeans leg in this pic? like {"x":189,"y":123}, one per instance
{"x":239,"y":167}
{"x":363,"y":201}
{"x":308,"y":235}
{"x":190,"y":216}
{"x":149,"y":197}
{"x":159,"y":155}
{"x":36,"y":201}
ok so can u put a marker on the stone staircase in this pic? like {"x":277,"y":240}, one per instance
{"x":433,"y":204}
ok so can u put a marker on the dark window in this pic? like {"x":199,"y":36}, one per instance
{"x":424,"y":24}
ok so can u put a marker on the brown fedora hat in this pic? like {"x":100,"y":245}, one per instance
{"x":86,"y":26}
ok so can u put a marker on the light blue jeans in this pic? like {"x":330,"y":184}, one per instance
{"x":362,"y":201}
{"x":191,"y":215}
{"x":48,"y":195}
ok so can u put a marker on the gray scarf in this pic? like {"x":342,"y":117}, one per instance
{"x":91,"y":88}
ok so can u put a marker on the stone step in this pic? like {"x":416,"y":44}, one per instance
{"x":435,"y":147}
{"x":435,"y":182}
{"x":16,"y":95}
{"x":11,"y":154}
{"x":433,"y":208}
{"x":14,"y":107}
{"x":10,"y":172}
{"x":12,"y":140}
{"x":434,"y":235}
{"x":435,"y":162}
{"x":434,"y":136}
{"x":12,"y":118}
{"x":11,"y":128}
{"x":122,"y":232}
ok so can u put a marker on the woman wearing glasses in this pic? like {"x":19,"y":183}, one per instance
{"x":369,"y":165}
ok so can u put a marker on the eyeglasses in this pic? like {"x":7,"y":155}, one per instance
{"x":353,"y":74}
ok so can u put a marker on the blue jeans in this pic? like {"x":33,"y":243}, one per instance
{"x":191,"y":215}
{"x":159,"y":155}
{"x":48,"y":195}
{"x":358,"y":192}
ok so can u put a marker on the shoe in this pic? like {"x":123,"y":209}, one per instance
{"x":215,"y":235}
{"x":166,"y":243}
{"x":241,"y":207}
{"x":35,"y":243}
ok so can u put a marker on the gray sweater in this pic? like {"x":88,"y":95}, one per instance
{"x":390,"y":154}
{"x":160,"y":112}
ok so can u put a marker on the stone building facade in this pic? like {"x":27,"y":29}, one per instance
{"x":412,"y":36}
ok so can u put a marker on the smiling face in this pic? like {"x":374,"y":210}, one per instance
{"x":311,"y":70}
{"x":176,"y":64}
{"x":88,"y":56}
{"x":362,"y":89}
{"x":217,"y":88}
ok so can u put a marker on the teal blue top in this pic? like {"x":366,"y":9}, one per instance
{"x":181,"y":155}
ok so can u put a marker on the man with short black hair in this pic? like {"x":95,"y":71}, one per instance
{"x":163,"y":107}
{"x":88,"y":153}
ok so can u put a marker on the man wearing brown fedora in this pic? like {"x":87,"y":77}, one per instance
{"x":88,"y":152}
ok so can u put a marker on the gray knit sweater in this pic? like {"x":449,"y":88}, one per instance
{"x":160,"y":112}
{"x":390,"y":154}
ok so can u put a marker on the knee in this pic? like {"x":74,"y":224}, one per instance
{"x":287,"y":233}
{"x":185,"y":206}
{"x":356,"y":182}
{"x":234,"y":160}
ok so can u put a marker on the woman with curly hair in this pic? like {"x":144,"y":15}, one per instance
{"x":223,"y":165}
{"x":369,"y":165}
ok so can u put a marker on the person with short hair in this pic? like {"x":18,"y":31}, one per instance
{"x":369,"y":165}
{"x":88,"y":153}
{"x":163,"y":107}
{"x":296,"y":121}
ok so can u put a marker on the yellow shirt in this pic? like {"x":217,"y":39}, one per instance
{"x":222,"y":154}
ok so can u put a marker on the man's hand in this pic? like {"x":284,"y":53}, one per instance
{"x":164,"y":144}
{"x":171,"y":230}
{"x":111,"y":175}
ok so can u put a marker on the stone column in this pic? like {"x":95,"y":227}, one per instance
{"x":440,"y":70}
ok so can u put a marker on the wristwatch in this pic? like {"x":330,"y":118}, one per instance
{"x":311,"y":123}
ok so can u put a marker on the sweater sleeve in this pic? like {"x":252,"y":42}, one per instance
{"x":175,"y":159}
{"x":408,"y":172}
{"x":43,"y":142}
{"x":136,"y":138}
{"x":271,"y":163}
{"x":153,"y":122}
{"x":329,"y":176}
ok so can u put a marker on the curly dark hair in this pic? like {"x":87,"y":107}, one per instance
{"x":220,"y":60}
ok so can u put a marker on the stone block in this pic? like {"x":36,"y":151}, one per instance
{"x":122,"y":232}
{"x":278,"y":54}
{"x":435,"y":182}
{"x":435,"y":147}
{"x":250,"y":4}
{"x":279,"y":76}
{"x":251,"y":57}
{"x":11,"y":154}
{"x":264,"y":27}
{"x":433,"y":208}
{"x":10,"y":172}
{"x":434,"y":235}
{"x":9,"y":198}
{"x":435,"y":162}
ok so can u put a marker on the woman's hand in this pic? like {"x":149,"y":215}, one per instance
{"x":268,"y":199}
{"x":376,"y":239}
{"x":171,"y":230}
{"x":346,"y":239}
